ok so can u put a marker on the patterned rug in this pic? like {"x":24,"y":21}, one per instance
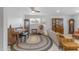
{"x":34,"y":43}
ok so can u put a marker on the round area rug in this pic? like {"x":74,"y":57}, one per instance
{"x":34,"y":43}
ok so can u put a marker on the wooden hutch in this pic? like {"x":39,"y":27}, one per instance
{"x":57,"y":25}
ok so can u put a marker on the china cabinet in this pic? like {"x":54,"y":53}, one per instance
{"x":57,"y":25}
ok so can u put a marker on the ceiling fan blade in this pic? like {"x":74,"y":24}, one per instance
{"x":33,"y":9}
{"x":36,"y":10}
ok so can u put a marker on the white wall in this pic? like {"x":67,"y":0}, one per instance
{"x":15,"y":21}
{"x":76,"y":22}
{"x":5,"y":40}
{"x":15,"y":15}
{"x":1,"y":28}
{"x":66,"y":24}
{"x":76,"y":18}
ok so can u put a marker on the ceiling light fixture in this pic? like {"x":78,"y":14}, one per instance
{"x":57,"y":11}
{"x":33,"y":11}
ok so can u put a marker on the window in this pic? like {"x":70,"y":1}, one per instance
{"x":35,"y":20}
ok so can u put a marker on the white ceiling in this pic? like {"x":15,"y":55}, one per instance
{"x":63,"y":10}
{"x":44,"y":10}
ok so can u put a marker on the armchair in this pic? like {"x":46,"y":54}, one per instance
{"x":12,"y":36}
{"x":40,"y":30}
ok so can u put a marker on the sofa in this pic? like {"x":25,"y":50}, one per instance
{"x":67,"y":44}
{"x":62,"y":42}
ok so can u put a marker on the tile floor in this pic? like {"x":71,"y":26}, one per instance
{"x":54,"y":48}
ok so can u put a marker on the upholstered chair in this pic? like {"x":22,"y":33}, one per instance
{"x":40,"y":30}
{"x":12,"y":36}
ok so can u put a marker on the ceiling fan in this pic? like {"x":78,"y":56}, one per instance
{"x":34,"y":9}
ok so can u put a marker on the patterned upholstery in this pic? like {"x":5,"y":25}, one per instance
{"x":53,"y":36}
